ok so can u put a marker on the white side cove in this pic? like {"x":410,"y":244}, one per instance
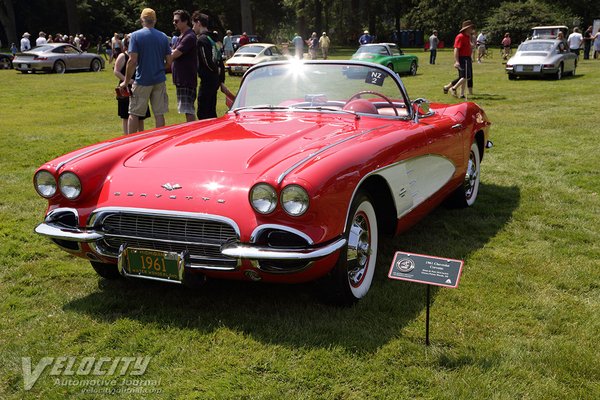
{"x":414,"y":181}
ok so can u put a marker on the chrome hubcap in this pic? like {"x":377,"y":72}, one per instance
{"x":471,"y":176}
{"x":359,"y":249}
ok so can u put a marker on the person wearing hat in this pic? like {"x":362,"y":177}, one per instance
{"x":149,"y":57}
{"x":228,"y":44}
{"x":25,"y":43}
{"x":365,"y":38}
{"x":41,"y":39}
{"x":324,"y":43}
{"x":462,"y":61}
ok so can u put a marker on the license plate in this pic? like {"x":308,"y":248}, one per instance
{"x":527,"y":68}
{"x":153,"y":263}
{"x":238,"y":68}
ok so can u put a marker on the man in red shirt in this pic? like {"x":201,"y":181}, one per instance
{"x":462,"y":61}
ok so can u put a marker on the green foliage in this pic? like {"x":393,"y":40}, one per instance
{"x":519,"y":17}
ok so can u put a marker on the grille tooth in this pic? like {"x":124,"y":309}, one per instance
{"x":201,"y":238}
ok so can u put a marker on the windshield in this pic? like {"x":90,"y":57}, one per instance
{"x":372,"y":50}
{"x":250,"y":49}
{"x":537,"y":45}
{"x":323,"y":86}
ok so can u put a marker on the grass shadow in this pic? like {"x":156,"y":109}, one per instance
{"x":289,"y":314}
{"x":487,"y":96}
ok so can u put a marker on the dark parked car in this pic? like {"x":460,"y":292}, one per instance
{"x":6,"y":61}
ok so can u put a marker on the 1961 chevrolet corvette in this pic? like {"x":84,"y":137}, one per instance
{"x":294,"y":184}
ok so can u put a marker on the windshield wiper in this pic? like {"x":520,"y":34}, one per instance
{"x":269,"y":107}
{"x":321,"y":108}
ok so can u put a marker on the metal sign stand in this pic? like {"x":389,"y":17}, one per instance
{"x":427,"y":316}
{"x":425,"y":269}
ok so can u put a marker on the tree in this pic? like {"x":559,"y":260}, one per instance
{"x":518,"y":19}
{"x":7,"y":19}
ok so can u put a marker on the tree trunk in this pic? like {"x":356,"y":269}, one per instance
{"x":7,"y":18}
{"x":246,"y":11}
{"x":72,"y":17}
{"x":318,"y":17}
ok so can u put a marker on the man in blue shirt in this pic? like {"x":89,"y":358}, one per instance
{"x":365,"y":38}
{"x":149,"y":57}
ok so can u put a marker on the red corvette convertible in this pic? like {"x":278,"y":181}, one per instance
{"x":294,"y":184}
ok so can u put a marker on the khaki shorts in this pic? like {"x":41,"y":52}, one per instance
{"x":157,"y":94}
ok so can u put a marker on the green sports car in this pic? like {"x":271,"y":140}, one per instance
{"x":390,"y":55}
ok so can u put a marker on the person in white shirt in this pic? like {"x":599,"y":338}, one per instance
{"x":575,"y":40}
{"x":25,"y":43}
{"x":481,"y":41}
{"x":41,"y":39}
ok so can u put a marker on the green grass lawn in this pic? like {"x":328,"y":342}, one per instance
{"x":523,"y":324}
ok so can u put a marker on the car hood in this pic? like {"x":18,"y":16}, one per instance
{"x":248,"y":143}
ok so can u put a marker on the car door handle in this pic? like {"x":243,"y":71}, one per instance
{"x":457,"y":126}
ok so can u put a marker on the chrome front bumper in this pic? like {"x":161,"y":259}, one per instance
{"x":234,"y":250}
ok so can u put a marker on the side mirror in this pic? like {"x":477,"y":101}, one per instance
{"x":421,"y":108}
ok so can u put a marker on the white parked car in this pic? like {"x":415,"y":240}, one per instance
{"x":252,"y":54}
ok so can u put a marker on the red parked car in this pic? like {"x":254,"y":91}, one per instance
{"x":294,"y":184}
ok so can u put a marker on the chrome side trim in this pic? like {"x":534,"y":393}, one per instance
{"x":316,"y":153}
{"x":256,"y":232}
{"x":239,"y":250}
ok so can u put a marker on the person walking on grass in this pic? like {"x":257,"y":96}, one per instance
{"x":462,"y":62}
{"x":149,"y":57}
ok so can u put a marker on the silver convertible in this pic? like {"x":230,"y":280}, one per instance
{"x":57,"y":57}
{"x":543,"y":58}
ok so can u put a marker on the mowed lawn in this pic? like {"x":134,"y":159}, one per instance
{"x":523,"y":324}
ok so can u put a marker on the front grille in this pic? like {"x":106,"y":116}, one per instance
{"x":200,"y":237}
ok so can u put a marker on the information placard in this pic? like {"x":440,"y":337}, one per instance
{"x":426,"y":269}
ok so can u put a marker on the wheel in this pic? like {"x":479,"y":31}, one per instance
{"x":559,"y":73}
{"x":5,"y":63}
{"x":107,"y":271}
{"x":466,"y":194}
{"x":413,"y":68}
{"x":59,"y":67}
{"x":357,"y":95}
{"x":96,"y":65}
{"x":511,"y":77}
{"x":351,"y":278}
{"x":390,"y":66}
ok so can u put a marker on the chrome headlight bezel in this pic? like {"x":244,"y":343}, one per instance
{"x":45,"y":184}
{"x":69,"y":185}
{"x":294,"y":200}
{"x":263,"y":198}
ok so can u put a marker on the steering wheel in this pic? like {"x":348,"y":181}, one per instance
{"x":359,"y":94}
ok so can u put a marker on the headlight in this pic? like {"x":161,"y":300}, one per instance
{"x":69,"y":185}
{"x":294,"y":200}
{"x":45,"y":184}
{"x":263,"y":198}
